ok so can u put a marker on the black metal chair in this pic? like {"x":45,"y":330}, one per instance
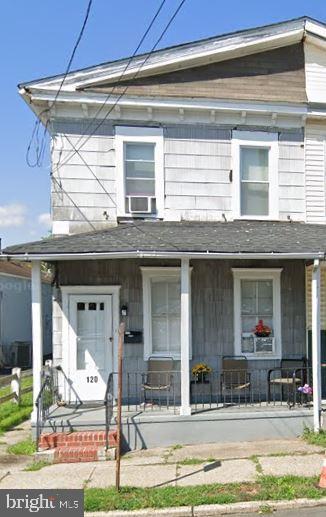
{"x":290,"y":374}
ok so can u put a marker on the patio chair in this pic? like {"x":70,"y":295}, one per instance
{"x":287,"y":376}
{"x":158,"y":379}
{"x":235,"y":378}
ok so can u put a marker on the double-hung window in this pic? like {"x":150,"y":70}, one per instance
{"x":139,"y":166}
{"x":255,"y":167}
{"x":139,"y":172}
{"x":257,"y":318}
{"x":162,"y":316}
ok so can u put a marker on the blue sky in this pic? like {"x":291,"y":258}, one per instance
{"x":36,"y":39}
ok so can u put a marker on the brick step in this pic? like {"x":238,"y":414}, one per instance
{"x":77,"y":439}
{"x":77,"y":454}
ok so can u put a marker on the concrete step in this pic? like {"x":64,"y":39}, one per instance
{"x":94,"y":438}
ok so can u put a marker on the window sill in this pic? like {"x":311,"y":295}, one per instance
{"x":175,"y":357}
{"x":261,"y":357}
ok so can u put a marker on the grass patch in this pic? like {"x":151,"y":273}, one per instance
{"x":195,"y":461}
{"x":258,"y":466}
{"x":23,"y":448}
{"x":37,"y":465}
{"x":315,"y":438}
{"x":26,"y":382}
{"x":266,"y":488}
{"x":176,"y":447}
{"x":11,"y":414}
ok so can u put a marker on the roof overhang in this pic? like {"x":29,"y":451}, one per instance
{"x":197,"y":53}
{"x":54,"y":257}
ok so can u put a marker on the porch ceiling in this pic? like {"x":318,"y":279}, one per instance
{"x":236,"y":238}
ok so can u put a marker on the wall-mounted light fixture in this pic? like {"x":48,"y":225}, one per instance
{"x":124,"y":310}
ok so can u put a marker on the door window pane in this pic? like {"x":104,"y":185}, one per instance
{"x":91,"y":341}
{"x":254,"y":180}
{"x":165,"y":306}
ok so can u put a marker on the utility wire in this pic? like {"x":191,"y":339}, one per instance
{"x":121,"y":75}
{"x":147,"y":57}
{"x":77,"y":151}
{"x":54,"y":179}
{"x":40,"y":147}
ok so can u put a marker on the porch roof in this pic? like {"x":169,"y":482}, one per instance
{"x":173,"y":239}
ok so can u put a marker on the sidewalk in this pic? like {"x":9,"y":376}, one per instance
{"x":174,"y":466}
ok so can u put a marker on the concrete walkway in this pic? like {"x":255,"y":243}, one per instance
{"x":172,"y":466}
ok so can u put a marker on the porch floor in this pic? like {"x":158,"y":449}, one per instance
{"x":94,"y":415}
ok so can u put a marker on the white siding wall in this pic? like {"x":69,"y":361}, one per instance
{"x":291,"y":177}
{"x":315,"y":172}
{"x":197,"y":164}
{"x":315,"y":69}
{"x":88,"y":178}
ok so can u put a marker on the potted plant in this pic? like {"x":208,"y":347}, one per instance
{"x":200,"y":372}
{"x":262,"y":330}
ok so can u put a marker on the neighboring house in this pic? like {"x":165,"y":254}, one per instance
{"x":16,"y":314}
{"x":199,"y":179}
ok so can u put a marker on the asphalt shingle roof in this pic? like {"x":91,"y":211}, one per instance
{"x":219,"y":237}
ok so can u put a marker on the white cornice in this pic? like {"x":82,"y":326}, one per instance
{"x":74,"y":98}
{"x":187,"y":55}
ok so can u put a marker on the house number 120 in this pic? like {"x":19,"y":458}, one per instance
{"x":92,"y":378}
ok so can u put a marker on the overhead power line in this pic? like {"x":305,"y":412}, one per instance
{"x":101,"y":122}
{"x":40,"y":146}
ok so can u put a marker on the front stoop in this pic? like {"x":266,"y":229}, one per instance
{"x":78,"y":446}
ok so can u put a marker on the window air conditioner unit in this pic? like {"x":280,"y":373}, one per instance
{"x":140,"y":204}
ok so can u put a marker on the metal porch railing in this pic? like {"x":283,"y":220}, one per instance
{"x":264,"y":388}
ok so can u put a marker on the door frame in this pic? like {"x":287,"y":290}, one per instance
{"x":67,"y":290}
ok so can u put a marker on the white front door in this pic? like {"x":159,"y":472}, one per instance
{"x":90,"y":345}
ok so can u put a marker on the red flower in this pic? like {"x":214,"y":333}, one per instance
{"x":261,"y":329}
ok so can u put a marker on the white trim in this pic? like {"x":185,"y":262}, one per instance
{"x":185,"y":336}
{"x":184,"y":56}
{"x":126,"y":134}
{"x":292,"y":109}
{"x":37,"y":331}
{"x":263,"y":140}
{"x":25,"y":257}
{"x":316,"y":343}
{"x":147,"y":274}
{"x":68,"y":290}
{"x":273,"y":274}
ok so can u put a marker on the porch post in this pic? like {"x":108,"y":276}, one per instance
{"x":185,"y":337}
{"x":315,"y":324}
{"x":36,"y":331}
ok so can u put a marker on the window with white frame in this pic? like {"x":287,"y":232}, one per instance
{"x":255,"y":168}
{"x":257,"y":312}
{"x":161,"y":302}
{"x":140,"y":178}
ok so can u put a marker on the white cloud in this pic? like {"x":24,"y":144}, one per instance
{"x":12,"y":215}
{"x":45,"y":219}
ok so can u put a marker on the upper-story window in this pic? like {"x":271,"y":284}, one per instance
{"x":255,"y":168}
{"x":139,"y":165}
{"x":140,"y":177}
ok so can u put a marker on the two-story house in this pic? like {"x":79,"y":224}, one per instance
{"x":189,"y":199}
